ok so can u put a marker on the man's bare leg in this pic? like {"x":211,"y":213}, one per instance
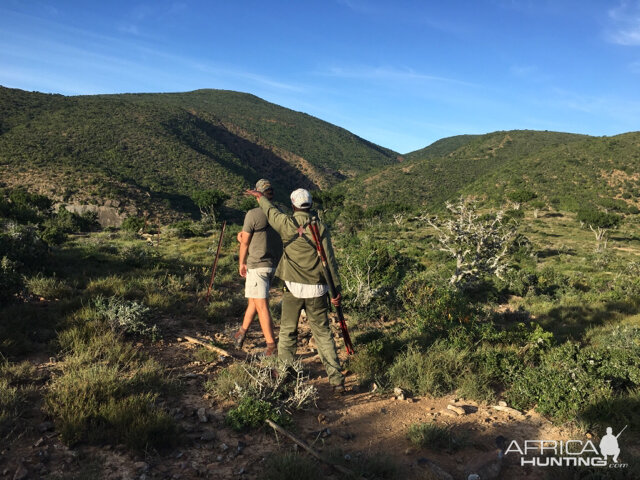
{"x":264,"y":315}
{"x":249,"y":313}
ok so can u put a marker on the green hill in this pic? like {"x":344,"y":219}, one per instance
{"x":153,"y":150}
{"x":565,"y":170}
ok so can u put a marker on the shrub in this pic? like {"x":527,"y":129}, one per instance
{"x":434,"y":308}
{"x":435,"y":371}
{"x":431,"y":435}
{"x":107,"y":392}
{"x":132,"y":224}
{"x":479,"y":244}
{"x":252,"y":412}
{"x":125,"y":316}
{"x":373,"y":357}
{"x":48,"y":287}
{"x":560,"y":386}
{"x":260,"y":393}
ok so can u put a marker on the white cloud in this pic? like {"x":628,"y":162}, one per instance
{"x":625,"y":23}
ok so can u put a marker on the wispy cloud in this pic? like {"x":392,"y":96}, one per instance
{"x":625,"y":23}
{"x":390,"y":74}
{"x":529,"y":72}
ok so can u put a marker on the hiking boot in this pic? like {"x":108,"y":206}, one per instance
{"x":238,"y":338}
{"x":270,"y":350}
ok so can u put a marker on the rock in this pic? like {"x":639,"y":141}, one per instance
{"x":589,"y":436}
{"x":409,"y":451}
{"x":509,"y":410}
{"x":141,"y":466}
{"x":326,"y":433}
{"x":21,"y":473}
{"x":202,"y":415}
{"x":208,"y":436}
{"x":449,"y":413}
{"x":459,"y":410}
{"x":39,"y":442}
{"x":502,"y":403}
{"x":224,"y":447}
{"x":241,"y":446}
{"x":322,"y":418}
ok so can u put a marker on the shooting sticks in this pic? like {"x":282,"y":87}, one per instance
{"x":313,"y":226}
{"x":215,"y":262}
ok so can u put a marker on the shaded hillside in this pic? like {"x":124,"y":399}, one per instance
{"x":153,"y":150}
{"x":563,"y":169}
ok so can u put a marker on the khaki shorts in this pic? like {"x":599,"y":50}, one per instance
{"x":258,"y":282}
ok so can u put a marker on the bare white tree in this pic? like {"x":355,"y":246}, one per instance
{"x":479,"y":245}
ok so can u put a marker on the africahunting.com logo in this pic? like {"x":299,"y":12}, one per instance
{"x":569,"y":453}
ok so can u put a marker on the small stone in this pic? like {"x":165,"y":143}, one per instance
{"x":39,"y":442}
{"x":141,"y":466}
{"x":322,"y":418}
{"x":409,"y":451}
{"x":208,"y":436}
{"x":383,"y":410}
{"x":179,"y":339}
{"x":224,"y":447}
{"x":202,"y":415}
{"x":219,"y":458}
{"x":502,"y":403}
{"x":589,"y":436}
{"x":449,"y":413}
{"x":459,"y":410}
{"x":241,"y":446}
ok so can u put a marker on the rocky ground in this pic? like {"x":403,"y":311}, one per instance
{"x":361,"y":422}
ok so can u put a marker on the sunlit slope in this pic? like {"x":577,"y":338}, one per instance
{"x":166,"y":145}
{"x":563,"y":169}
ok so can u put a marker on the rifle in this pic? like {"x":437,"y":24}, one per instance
{"x":313,"y":226}
{"x":215,"y":262}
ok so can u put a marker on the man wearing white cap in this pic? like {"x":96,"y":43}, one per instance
{"x":306,"y":287}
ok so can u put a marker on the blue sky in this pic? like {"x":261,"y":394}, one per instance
{"x":401,"y":74}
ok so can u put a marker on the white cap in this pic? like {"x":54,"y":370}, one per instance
{"x":301,"y":198}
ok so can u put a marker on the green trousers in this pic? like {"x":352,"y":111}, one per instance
{"x":316,"y":309}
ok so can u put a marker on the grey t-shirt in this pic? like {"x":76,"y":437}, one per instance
{"x":265,"y":248}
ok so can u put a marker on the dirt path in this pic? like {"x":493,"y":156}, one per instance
{"x":358,"y":423}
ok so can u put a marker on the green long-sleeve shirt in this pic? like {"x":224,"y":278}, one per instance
{"x":300,"y":262}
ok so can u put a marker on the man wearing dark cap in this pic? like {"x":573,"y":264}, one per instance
{"x":306,"y":287}
{"x":260,"y":250}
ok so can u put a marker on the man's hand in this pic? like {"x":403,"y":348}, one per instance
{"x":253,"y":193}
{"x":336,"y":301}
{"x":243,"y":270}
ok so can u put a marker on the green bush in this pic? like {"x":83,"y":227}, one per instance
{"x":561,"y":386}
{"x":434,"y":371}
{"x":433,"y":308}
{"x":374,"y":356}
{"x":132,"y":224}
{"x":596,"y":218}
{"x":252,"y":412}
